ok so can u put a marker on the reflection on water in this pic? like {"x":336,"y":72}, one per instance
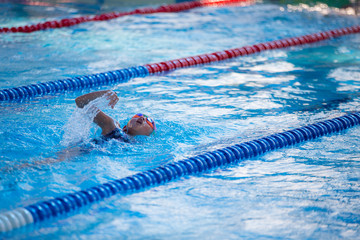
{"x":349,"y":7}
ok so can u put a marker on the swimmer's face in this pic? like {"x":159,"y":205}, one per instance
{"x":139,"y":125}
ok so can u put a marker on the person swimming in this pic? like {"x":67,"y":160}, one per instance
{"x":136,"y":126}
{"x":139,"y":124}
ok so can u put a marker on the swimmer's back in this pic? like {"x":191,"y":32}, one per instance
{"x":116,"y":134}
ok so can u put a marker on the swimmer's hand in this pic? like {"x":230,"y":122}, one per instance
{"x":113,"y":98}
{"x":86,"y":98}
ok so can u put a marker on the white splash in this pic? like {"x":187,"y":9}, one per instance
{"x":78,"y":128}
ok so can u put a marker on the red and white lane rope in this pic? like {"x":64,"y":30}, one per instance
{"x":124,"y":75}
{"x":68,"y":22}
{"x":247,"y":50}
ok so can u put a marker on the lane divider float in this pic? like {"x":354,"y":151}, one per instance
{"x":124,"y":75}
{"x":68,"y":22}
{"x":70,"y":203}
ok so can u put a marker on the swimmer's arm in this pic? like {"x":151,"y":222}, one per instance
{"x":83,"y":100}
{"x":105,"y":122}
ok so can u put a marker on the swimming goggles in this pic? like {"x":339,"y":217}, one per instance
{"x":148,"y":120}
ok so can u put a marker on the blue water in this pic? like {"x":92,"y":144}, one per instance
{"x":310,"y":191}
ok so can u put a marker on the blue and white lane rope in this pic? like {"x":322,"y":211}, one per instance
{"x":69,"y":203}
{"x":71,"y":84}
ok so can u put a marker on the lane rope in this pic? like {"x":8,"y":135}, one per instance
{"x":68,"y":22}
{"x":70,"y":203}
{"x":124,"y":75}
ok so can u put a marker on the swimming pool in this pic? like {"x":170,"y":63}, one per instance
{"x":307,"y":191}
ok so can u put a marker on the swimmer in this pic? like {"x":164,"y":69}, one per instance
{"x":139,"y":124}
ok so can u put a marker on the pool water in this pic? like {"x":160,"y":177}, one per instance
{"x":309,"y":191}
